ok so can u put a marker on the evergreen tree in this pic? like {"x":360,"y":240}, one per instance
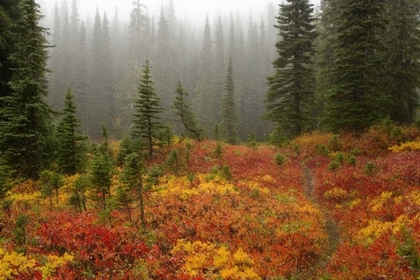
{"x":204,"y":90}
{"x":101,"y":175}
{"x":182,"y":110}
{"x":102,"y":169}
{"x":402,"y":57}
{"x":356,"y":99}
{"x":291,"y":89}
{"x":56,"y":33}
{"x":71,"y":148}
{"x":9,"y":15}
{"x":229,"y":110}
{"x":164,"y":66}
{"x":253,"y":90}
{"x":146,"y":123}
{"x":5,"y":179}
{"x":61,"y":61}
{"x":81,"y":87}
{"x":132,"y":177}
{"x":219,"y":70}
{"x":101,"y":93}
{"x":25,"y":124}
{"x":139,"y":48}
{"x":324,"y":44}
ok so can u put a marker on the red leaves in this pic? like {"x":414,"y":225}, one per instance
{"x":96,"y":247}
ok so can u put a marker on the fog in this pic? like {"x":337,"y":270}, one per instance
{"x":101,"y":58}
{"x":185,"y":9}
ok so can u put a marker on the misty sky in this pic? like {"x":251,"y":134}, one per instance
{"x":192,"y":9}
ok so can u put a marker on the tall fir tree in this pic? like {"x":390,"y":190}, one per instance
{"x":204,"y":89}
{"x":219,"y":70}
{"x":61,"y":58}
{"x":229,"y":124}
{"x":80,"y":85}
{"x":324,"y":45}
{"x":252,"y":91}
{"x":146,"y":122}
{"x":101,"y":93}
{"x":357,"y":97}
{"x":291,"y":89}
{"x":9,"y":15}
{"x":139,"y":48}
{"x":402,"y":58}
{"x":71,"y":146}
{"x":164,"y":71}
{"x":25,"y":124}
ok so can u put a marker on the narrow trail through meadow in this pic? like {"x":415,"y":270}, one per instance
{"x":330,"y":228}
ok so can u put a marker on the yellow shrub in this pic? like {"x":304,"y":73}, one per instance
{"x":13,"y":264}
{"x":409,"y":146}
{"x":53,"y":263}
{"x":182,"y":187}
{"x":336,"y":194}
{"x":355,"y":203}
{"x":376,"y":228}
{"x":378,"y":202}
{"x":218,"y":260}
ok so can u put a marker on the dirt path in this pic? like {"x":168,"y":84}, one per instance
{"x":330,"y":228}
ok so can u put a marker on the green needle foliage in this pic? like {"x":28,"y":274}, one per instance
{"x":402,"y":58}
{"x":71,"y":152}
{"x":132,"y":177}
{"x":146,"y":123}
{"x":101,"y":175}
{"x":183,"y":111}
{"x":229,"y":125}
{"x":291,"y":89}
{"x":51,"y":182}
{"x":356,"y":98}
{"x":25,"y":121}
{"x":5,"y":179}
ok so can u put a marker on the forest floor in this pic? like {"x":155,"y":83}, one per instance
{"x":331,"y":228}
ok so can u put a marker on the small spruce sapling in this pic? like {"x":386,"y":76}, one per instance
{"x":172,"y":161}
{"x":279,"y":159}
{"x":51,"y":182}
{"x":78,"y":197}
{"x":252,"y":140}
{"x":101,"y":175}
{"x":132,"y":178}
{"x":19,"y":230}
{"x":124,"y":200}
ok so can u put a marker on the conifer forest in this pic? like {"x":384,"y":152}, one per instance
{"x":276,"y":142}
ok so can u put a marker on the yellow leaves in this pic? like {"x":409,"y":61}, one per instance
{"x":184,"y":189}
{"x":219,"y":262}
{"x":53,"y":263}
{"x":377,"y":203}
{"x":221,"y":258}
{"x":354,"y":203}
{"x":268,"y":179}
{"x":14,"y":264}
{"x":415,"y":197}
{"x":310,"y":209}
{"x":257,"y":187}
{"x":376,"y":228}
{"x":236,"y":273}
{"x":198,"y":255}
{"x":242,"y":259}
{"x":336,"y":194}
{"x":409,"y":146}
{"x":24,"y":197}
